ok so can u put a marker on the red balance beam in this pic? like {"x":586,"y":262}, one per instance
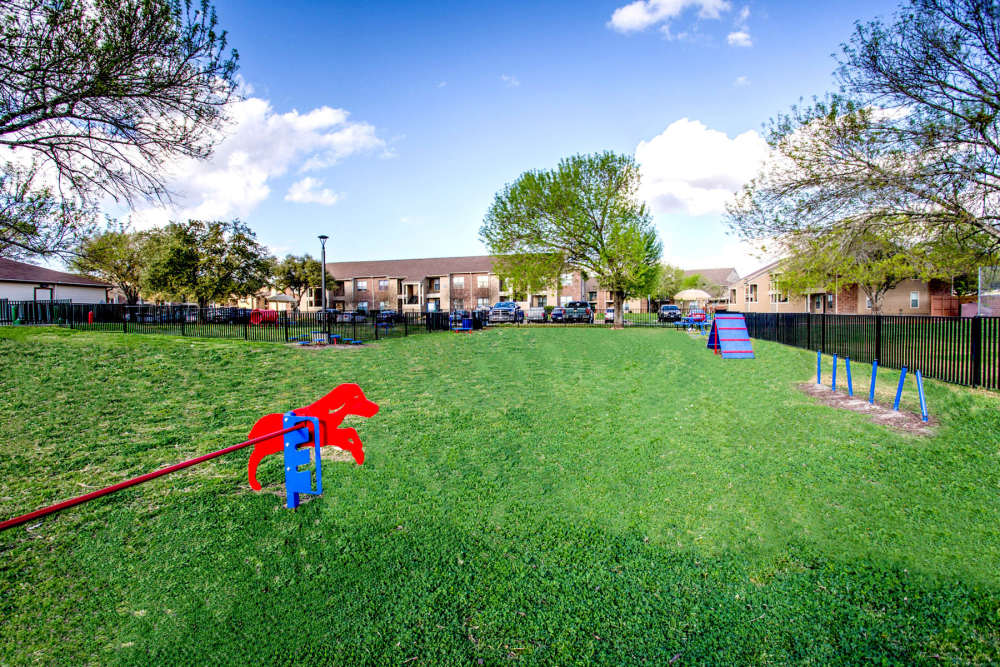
{"x":51,"y":509}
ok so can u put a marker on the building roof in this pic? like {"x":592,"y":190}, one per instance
{"x":19,"y":272}
{"x":714,"y":276}
{"x":761,"y":270}
{"x":410,"y":269}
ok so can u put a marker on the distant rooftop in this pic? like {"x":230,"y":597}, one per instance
{"x":20,"y":272}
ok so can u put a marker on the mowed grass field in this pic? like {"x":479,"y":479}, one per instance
{"x":545,"y":496}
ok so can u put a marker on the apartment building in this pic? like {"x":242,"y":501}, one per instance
{"x":758,"y":292}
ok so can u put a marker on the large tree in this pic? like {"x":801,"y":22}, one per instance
{"x":584,"y":214}
{"x":206,"y":261}
{"x":297,"y":275}
{"x":873,"y":260}
{"x":118,"y":255}
{"x":668,"y":282}
{"x":914,"y":137}
{"x":96,"y":97}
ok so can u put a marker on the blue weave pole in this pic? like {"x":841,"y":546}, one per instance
{"x":923,"y":400}
{"x":833,"y":379}
{"x":899,"y":389}
{"x":850,"y":385}
{"x":819,"y":358}
{"x":871,"y":389}
{"x":298,"y":480}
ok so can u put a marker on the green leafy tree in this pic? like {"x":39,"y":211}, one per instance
{"x":914,"y":137}
{"x":118,"y":256}
{"x":668,"y":282}
{"x":584,"y":215}
{"x":34,"y":220}
{"x":98,"y":96}
{"x":875,"y":262}
{"x":206,"y":261}
{"x":297,"y":275}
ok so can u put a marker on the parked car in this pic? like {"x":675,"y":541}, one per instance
{"x":506,"y":311}
{"x":537,"y":314}
{"x":668,"y":313}
{"x":352,"y":316}
{"x":579,"y":311}
{"x":386,"y":316}
{"x":558,"y":314}
{"x":609,"y":314}
{"x":697,"y":314}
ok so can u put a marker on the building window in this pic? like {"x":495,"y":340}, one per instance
{"x":315,"y":297}
{"x":483,"y":302}
{"x":914,"y":299}
{"x":361,"y":285}
{"x":363,"y":306}
{"x":566,"y":279}
{"x":778,"y":297}
{"x":541,"y":301}
{"x":751,"y":293}
{"x":502,"y":286}
{"x":868,"y":302}
{"x":383,"y":284}
{"x":436,"y":285}
{"x":591,"y":296}
{"x":382,"y":305}
{"x":458,"y":282}
{"x":433,"y":305}
{"x":732,"y":296}
{"x":458,"y":304}
{"x":482,"y":282}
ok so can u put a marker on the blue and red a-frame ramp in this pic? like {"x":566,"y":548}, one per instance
{"x":729,"y":337}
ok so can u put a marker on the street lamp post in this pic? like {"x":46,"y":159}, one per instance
{"x":322,"y":261}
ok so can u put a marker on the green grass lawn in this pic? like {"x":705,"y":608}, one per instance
{"x":541,"y":495}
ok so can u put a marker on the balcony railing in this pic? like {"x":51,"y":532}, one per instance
{"x":412,"y":300}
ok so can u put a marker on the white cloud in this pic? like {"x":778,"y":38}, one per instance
{"x":311,"y":191}
{"x":741,"y":82}
{"x":257,"y":146}
{"x":739,"y":38}
{"x":689,"y":168}
{"x":510,"y":80}
{"x":643,"y":14}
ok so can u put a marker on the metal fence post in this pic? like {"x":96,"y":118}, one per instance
{"x":406,"y":319}
{"x":822,"y":331}
{"x":975,"y":351}
{"x":184,"y":317}
{"x":286,"y":325}
{"x":809,"y":331}
{"x":246,"y":329}
{"x":878,"y":336}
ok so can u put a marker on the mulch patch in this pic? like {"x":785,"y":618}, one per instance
{"x":905,"y":422}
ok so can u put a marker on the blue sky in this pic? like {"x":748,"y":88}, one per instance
{"x":391,"y":125}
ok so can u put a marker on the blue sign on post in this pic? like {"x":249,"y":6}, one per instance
{"x":298,"y":472}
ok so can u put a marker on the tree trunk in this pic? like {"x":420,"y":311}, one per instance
{"x":619,"y":300}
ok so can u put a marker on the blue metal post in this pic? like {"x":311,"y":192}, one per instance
{"x":819,"y":358}
{"x":871,"y":388}
{"x":833,"y":379}
{"x":899,"y":389}
{"x":920,"y":392}
{"x":850,"y":385}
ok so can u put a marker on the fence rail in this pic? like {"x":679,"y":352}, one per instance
{"x":961,"y":350}
{"x":231,"y":323}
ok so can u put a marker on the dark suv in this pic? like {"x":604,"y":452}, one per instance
{"x":668,"y":313}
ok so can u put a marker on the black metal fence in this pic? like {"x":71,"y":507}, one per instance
{"x":961,"y":350}
{"x":232,"y":323}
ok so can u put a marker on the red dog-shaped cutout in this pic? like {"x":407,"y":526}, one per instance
{"x":347,"y":399}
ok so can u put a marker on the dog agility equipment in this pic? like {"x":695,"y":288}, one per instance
{"x":316,"y":425}
{"x":729,"y":337}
